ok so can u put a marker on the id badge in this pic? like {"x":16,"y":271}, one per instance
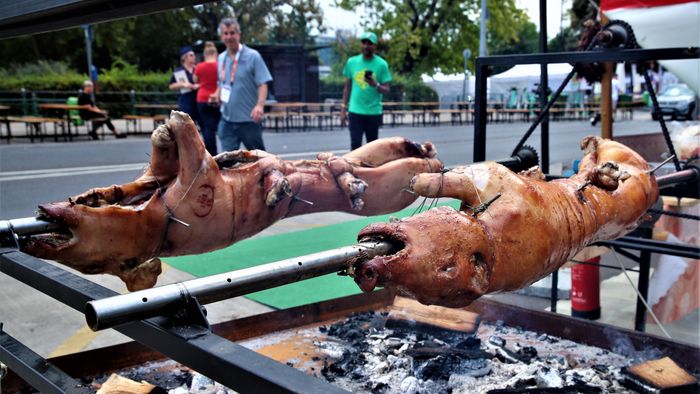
{"x":225,"y":93}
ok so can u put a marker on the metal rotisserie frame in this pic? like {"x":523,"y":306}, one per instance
{"x":640,"y":241}
{"x":212,"y":353}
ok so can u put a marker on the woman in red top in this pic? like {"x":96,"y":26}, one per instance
{"x":205,"y":74}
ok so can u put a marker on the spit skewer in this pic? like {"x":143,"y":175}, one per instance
{"x":143,"y":304}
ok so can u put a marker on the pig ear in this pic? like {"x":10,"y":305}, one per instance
{"x":192,"y":155}
{"x":143,"y":276}
{"x":164,"y":160}
{"x":451,"y":184}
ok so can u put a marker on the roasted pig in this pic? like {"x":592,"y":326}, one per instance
{"x":511,"y":229}
{"x":188,"y":202}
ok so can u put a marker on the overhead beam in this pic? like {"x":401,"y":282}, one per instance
{"x":18,"y":18}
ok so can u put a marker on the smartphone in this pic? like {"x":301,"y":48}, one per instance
{"x":368,"y":74}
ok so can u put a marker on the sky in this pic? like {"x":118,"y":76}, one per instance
{"x":335,"y":18}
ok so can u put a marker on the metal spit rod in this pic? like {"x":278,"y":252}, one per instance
{"x":26,"y":226}
{"x":31,"y":225}
{"x":143,"y":304}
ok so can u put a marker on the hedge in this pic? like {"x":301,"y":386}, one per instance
{"x":46,"y":75}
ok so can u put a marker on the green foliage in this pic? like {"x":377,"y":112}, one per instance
{"x":564,"y":41}
{"x":43,"y":75}
{"x":46,"y":75}
{"x":429,"y":36}
{"x":123,"y":77}
{"x":152,"y":42}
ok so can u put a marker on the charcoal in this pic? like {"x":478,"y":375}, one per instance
{"x":497,"y":341}
{"x":397,"y":360}
{"x":474,"y":368}
{"x":526,"y":354}
{"x":429,"y":344}
{"x":438,"y":368}
{"x":547,"y":338}
{"x":471,"y":342}
{"x":380,"y":388}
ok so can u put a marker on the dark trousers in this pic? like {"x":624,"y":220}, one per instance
{"x":209,"y":117}
{"x":363,"y":124}
{"x":231,"y":134}
{"x":97,"y":121}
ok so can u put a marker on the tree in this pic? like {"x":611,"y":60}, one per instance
{"x":152,"y":41}
{"x":297,"y":25}
{"x":427,"y":36}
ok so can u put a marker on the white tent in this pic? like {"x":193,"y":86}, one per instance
{"x":450,"y":88}
{"x":663,"y":25}
{"x":523,"y":77}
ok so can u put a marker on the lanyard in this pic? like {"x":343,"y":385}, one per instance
{"x":234,"y":66}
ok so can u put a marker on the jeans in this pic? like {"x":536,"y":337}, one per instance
{"x":231,"y":134}
{"x":363,"y":124}
{"x":209,"y":116}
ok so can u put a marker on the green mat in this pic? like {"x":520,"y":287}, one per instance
{"x":261,"y":250}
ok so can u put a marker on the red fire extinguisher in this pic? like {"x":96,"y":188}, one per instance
{"x":585,"y":290}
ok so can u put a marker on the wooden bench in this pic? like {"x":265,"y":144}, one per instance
{"x":318,"y":114}
{"x":35,"y":126}
{"x":436,"y":115}
{"x":135,"y":120}
{"x":397,"y":116}
{"x":275,"y":117}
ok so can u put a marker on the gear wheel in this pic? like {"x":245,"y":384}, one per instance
{"x":615,"y":34}
{"x":528,"y":158}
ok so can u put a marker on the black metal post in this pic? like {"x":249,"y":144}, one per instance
{"x":544,"y":87}
{"x":640,"y":315}
{"x":544,"y":131}
{"x":480,"y":104}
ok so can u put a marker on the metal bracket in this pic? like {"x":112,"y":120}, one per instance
{"x":188,"y":321}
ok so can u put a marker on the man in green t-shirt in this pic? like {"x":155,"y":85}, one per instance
{"x":367,"y":80}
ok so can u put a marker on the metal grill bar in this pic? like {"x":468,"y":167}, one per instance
{"x":226,"y":362}
{"x":42,"y":375}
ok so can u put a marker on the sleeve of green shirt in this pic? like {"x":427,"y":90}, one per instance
{"x":386,"y":74}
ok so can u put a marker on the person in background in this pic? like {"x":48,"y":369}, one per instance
{"x":208,"y":108}
{"x":614,"y":93}
{"x":367,"y":79}
{"x":242,"y":91}
{"x":183,"y":80}
{"x":94,"y":113}
{"x":614,"y":97}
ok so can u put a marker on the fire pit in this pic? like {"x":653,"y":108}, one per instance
{"x":361,"y":355}
{"x":353,"y":343}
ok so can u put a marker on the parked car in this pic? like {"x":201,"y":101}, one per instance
{"x":678,"y":101}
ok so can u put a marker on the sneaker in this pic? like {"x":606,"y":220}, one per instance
{"x":119,"y":136}
{"x":94,"y":136}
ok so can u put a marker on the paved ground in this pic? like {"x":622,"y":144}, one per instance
{"x":40,"y":172}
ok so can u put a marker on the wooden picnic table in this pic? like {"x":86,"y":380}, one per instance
{"x":303,"y":112}
{"x":35,"y":125}
{"x":157,"y":106}
{"x":64,"y":111}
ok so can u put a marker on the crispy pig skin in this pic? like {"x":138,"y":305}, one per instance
{"x":449,"y":257}
{"x":188,"y":202}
